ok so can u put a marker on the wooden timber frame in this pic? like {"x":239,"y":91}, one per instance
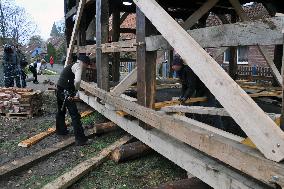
{"x":217,"y":158}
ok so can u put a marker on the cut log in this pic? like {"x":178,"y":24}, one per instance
{"x":67,"y":179}
{"x":191,"y":183}
{"x":130,"y":151}
{"x":105,"y":128}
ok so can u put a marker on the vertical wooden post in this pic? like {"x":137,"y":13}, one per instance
{"x":233,"y":62}
{"x":170,"y":62}
{"x":115,"y":38}
{"x":282,"y":73}
{"x":102,"y":31}
{"x":146,"y":63}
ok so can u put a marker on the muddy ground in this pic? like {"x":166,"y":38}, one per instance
{"x":144,"y":172}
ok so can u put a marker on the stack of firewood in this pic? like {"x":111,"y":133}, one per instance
{"x":15,"y":101}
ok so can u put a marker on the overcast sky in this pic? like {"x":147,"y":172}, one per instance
{"x":44,"y":13}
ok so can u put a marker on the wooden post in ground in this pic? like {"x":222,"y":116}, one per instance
{"x":233,"y":62}
{"x":282,"y":73}
{"x":146,"y":63}
{"x":102,"y":30}
{"x":115,"y":38}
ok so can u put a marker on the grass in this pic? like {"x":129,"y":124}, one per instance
{"x":146,"y":171}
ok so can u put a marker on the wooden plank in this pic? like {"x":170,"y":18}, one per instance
{"x":209,"y":170}
{"x":204,"y":110}
{"x":198,"y":14}
{"x":69,"y":178}
{"x":20,"y":164}
{"x":75,"y":31}
{"x":210,"y":128}
{"x":129,"y":80}
{"x":102,"y":34}
{"x":248,"y":160}
{"x":271,"y":64}
{"x":258,"y":126}
{"x":38,"y":137}
{"x":159,"y":105}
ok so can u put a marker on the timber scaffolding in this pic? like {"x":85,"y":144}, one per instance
{"x":216,"y":157}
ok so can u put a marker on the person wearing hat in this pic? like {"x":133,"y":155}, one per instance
{"x":191,"y":84}
{"x":67,"y":87}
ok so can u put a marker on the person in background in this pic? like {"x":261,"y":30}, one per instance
{"x":43,"y":64}
{"x":51,"y":61}
{"x":33,"y":69}
{"x":191,"y":84}
{"x":67,"y":86}
{"x":23,"y":63}
{"x":11,"y":67}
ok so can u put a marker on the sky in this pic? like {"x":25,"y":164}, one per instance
{"x":44,"y":13}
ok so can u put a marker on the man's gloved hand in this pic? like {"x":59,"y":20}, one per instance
{"x":182,"y":99}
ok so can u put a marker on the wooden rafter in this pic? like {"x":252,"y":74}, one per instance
{"x":199,"y":13}
{"x":259,"y":127}
{"x":75,"y":31}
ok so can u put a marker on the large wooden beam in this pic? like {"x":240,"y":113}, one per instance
{"x":75,"y":31}
{"x":102,"y":31}
{"x":246,"y":159}
{"x":282,"y":70}
{"x":199,"y":13}
{"x":115,"y":37}
{"x":218,"y":36}
{"x":241,"y":13}
{"x":146,"y":62}
{"x":129,"y":80}
{"x":207,"y":169}
{"x":260,"y":32}
{"x":250,"y":117}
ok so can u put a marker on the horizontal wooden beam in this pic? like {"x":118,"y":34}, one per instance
{"x":258,"y":32}
{"x":247,"y":114}
{"x":127,"y":30}
{"x":207,"y":169}
{"x":203,"y":110}
{"x":245,"y":159}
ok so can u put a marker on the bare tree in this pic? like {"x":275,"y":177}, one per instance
{"x":16,"y":24}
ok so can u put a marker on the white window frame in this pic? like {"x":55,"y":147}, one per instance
{"x":239,"y":63}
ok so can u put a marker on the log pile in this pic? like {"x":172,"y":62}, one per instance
{"x":20,"y":103}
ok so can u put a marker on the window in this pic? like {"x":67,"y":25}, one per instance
{"x":242,"y":55}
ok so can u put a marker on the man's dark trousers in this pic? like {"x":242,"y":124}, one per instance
{"x":75,"y":116}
